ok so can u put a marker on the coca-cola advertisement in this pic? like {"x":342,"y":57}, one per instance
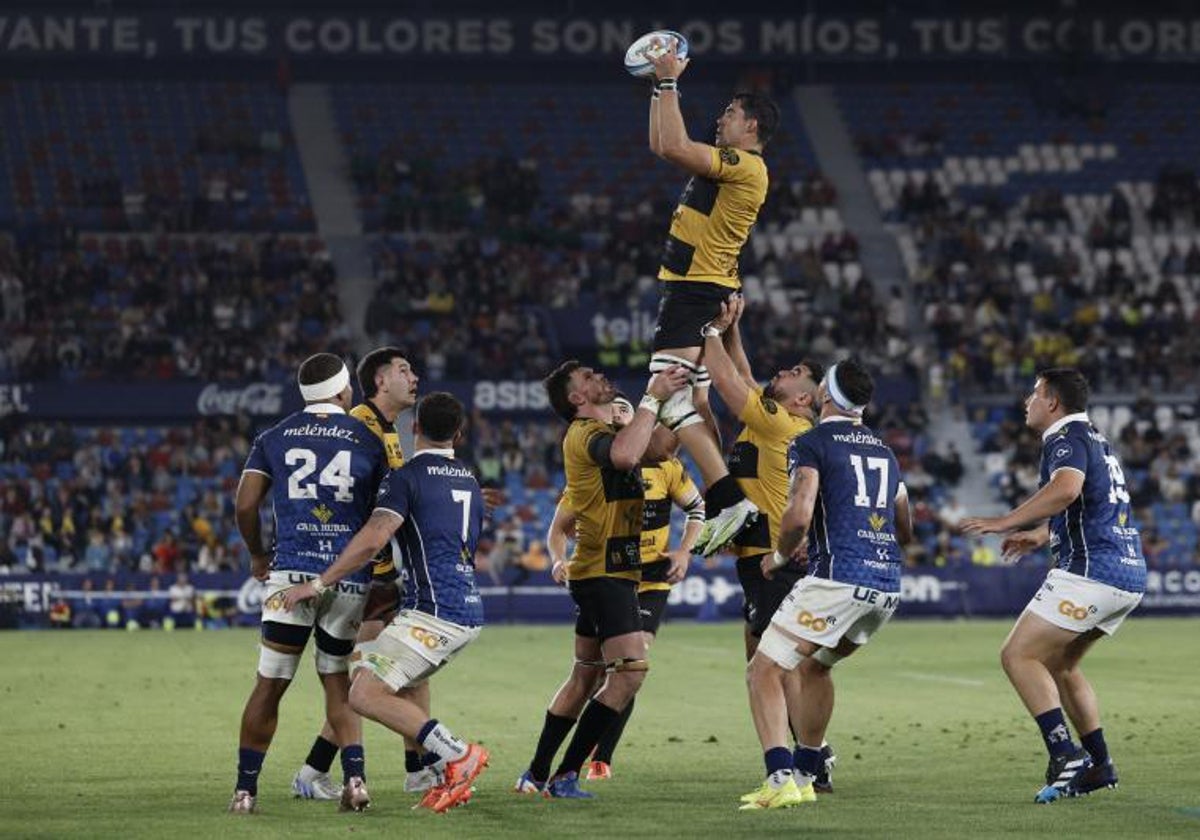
{"x":258,"y":399}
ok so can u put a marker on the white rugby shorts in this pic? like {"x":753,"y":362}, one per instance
{"x":1080,"y":604}
{"x":412,"y":647}
{"x":338,"y":612}
{"x":826,"y":611}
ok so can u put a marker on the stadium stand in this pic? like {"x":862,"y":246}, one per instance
{"x":162,"y":156}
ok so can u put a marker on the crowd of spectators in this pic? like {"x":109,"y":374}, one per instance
{"x":107,"y":500}
{"x":225,"y":308}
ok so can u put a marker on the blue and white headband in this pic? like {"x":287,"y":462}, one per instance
{"x":838,"y":396}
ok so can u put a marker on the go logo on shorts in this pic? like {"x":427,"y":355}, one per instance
{"x":1072,"y":610}
{"x":807,"y":619}
{"x":429,"y":638}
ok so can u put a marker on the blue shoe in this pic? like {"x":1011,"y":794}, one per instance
{"x":1063,"y":772}
{"x":567,"y":786}
{"x":1096,"y":777}
{"x":529,"y":785}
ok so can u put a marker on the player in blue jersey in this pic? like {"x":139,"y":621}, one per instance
{"x":1082,"y":511}
{"x":434,"y":506}
{"x":848,"y":502}
{"x":320,"y":468}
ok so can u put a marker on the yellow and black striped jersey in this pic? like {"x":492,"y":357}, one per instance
{"x":607,"y":503}
{"x":374,"y":420}
{"x":665,"y":484}
{"x":713,"y":219}
{"x":759,"y":463}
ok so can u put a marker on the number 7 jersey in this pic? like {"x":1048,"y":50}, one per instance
{"x":1095,"y":537}
{"x":325,"y":467}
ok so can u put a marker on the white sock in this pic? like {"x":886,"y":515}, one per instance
{"x":779,"y":778}
{"x":445,"y":744}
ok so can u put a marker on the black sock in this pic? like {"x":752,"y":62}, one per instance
{"x":593,"y":723}
{"x":554,"y":732}
{"x":320,"y":757}
{"x":612,"y":735}
{"x":1093,"y":742}
{"x":412,"y":761}
{"x":722,"y":493}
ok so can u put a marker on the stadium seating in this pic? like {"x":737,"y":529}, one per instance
{"x":118,"y":156}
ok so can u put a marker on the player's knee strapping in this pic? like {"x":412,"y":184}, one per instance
{"x":591,"y":663}
{"x":780,"y":649}
{"x":276,"y":665}
{"x":679,"y":411}
{"x":626,"y":663}
{"x":827,"y":657}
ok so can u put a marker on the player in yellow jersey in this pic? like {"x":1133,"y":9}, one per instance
{"x":699,"y":270}
{"x":773,"y":416}
{"x":389,"y":387}
{"x":663,"y":483}
{"x":604,"y":489}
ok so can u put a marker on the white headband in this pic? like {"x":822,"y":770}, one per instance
{"x":330,"y":387}
{"x":835,"y":393}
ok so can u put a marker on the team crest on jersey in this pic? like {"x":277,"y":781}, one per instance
{"x":323,"y":513}
{"x":770,"y":406}
{"x":877,"y":521}
{"x":729,"y":156}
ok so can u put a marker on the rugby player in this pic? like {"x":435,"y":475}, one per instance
{"x":773,"y":416}
{"x":848,"y":502}
{"x":1082,"y":511}
{"x":604,"y":489}
{"x":699,"y":269}
{"x":435,"y":506}
{"x":321,"y":470}
{"x":664,"y":483}
{"x":388,"y":385}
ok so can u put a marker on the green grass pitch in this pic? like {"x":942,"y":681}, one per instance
{"x":109,"y":734}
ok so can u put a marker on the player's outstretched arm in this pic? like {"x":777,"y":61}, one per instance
{"x":726,"y":379}
{"x":796,"y":520}
{"x":674,"y":143}
{"x":1059,"y":492}
{"x":655,"y":142}
{"x":733,"y":341}
{"x":251,"y":492}
{"x":365,"y":545}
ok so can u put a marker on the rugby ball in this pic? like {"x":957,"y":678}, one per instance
{"x":651,"y":46}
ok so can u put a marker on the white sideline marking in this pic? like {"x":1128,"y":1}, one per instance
{"x":920,"y":675}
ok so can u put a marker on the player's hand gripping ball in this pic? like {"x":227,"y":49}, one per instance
{"x":650,"y":46}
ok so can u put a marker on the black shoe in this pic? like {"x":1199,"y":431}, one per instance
{"x":1061,"y":773}
{"x":1096,"y":777}
{"x":823,"y":783}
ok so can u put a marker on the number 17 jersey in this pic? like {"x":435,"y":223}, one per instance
{"x":853,"y":534}
{"x":325,"y":468}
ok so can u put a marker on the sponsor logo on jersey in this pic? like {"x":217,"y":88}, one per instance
{"x":1075,"y":611}
{"x":877,"y":521}
{"x":322,"y":512}
{"x":816,"y":623}
{"x":729,"y":156}
{"x":429,"y":638}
